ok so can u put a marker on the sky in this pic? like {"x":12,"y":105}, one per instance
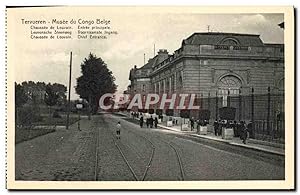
{"x":48,"y":60}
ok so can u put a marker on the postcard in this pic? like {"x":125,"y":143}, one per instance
{"x":150,"y":98}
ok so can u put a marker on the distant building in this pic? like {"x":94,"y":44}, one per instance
{"x":140,"y":77}
{"x":215,"y":64}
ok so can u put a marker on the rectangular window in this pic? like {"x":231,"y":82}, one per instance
{"x":144,"y":88}
{"x":224,"y":100}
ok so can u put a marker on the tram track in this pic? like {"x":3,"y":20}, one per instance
{"x":126,"y":161}
{"x":178,"y":157}
{"x":180,"y":164}
{"x":150,"y":160}
{"x":118,"y":148}
{"x":123,"y":156}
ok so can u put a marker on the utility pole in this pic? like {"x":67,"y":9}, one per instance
{"x":208,"y":28}
{"x":144,"y":58}
{"x":154,"y":50}
{"x":69,"y":95}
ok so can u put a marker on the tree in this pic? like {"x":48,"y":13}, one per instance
{"x":61,"y":91}
{"x":20,"y":96}
{"x":34,"y":91}
{"x":29,"y":88}
{"x":96,"y":80}
{"x":51,"y":97}
{"x":20,"y":99}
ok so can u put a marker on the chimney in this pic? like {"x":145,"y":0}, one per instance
{"x":162,"y":55}
{"x":162,"y":51}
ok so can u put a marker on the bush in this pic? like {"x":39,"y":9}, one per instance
{"x":170,"y":112}
{"x":142,"y":110}
{"x":227,"y":113}
{"x":204,"y":115}
{"x":56,"y":115}
{"x":158,"y":111}
{"x":185,"y":113}
{"x":26,"y":116}
{"x":151,"y":111}
{"x":27,"y":134}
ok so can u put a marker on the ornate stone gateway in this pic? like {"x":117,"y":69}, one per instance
{"x":228,"y":86}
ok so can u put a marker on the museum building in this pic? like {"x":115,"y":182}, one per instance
{"x":217,"y":67}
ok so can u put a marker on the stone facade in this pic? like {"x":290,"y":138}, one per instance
{"x":214,"y":64}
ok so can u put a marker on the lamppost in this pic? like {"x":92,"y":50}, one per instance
{"x":79,"y":106}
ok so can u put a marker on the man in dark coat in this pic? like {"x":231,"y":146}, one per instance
{"x":192,"y":124}
{"x":244,"y":132}
{"x":141,"y":121}
{"x":216,"y":126}
{"x":151,"y":122}
{"x":155,"y":122}
{"x":147,"y":122}
{"x":250,"y":129}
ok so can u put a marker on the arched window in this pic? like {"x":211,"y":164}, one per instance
{"x":180,"y":79}
{"x":281,"y":85}
{"x":230,"y":41}
{"x":228,"y":85}
{"x":167,"y":87}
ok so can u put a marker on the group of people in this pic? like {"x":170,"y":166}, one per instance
{"x":198,"y":123}
{"x":150,"y":122}
{"x":135,"y":114}
{"x":240,"y":129}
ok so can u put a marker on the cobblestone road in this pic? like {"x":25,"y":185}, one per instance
{"x":72,"y":155}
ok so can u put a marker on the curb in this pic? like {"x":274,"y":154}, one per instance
{"x":258,"y":149}
{"x":224,"y":141}
{"x":229,"y":142}
{"x":261,"y":142}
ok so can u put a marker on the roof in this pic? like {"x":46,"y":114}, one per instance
{"x":215,"y":38}
{"x":150,"y":63}
{"x":142,"y":72}
{"x":154,"y":61}
{"x":274,"y":44}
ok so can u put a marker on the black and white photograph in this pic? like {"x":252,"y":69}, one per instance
{"x":150,"y":97}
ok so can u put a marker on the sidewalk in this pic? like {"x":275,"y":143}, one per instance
{"x":264,"y":146}
{"x":58,"y":156}
{"x":252,"y":144}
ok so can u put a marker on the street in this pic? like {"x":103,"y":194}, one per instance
{"x":141,"y":154}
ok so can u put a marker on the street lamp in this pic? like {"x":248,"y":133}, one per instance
{"x":79,"y":106}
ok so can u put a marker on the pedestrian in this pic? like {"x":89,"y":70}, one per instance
{"x":147,"y":122}
{"x":198,"y":126}
{"x":235,"y":129}
{"x":216,"y":126}
{"x":239,"y":128}
{"x":151,"y":122}
{"x":155,"y":122}
{"x":219,"y":130}
{"x":250,"y":129}
{"x":192,"y":123}
{"x":118,"y":130}
{"x":244,"y":132}
{"x":141,"y":121}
